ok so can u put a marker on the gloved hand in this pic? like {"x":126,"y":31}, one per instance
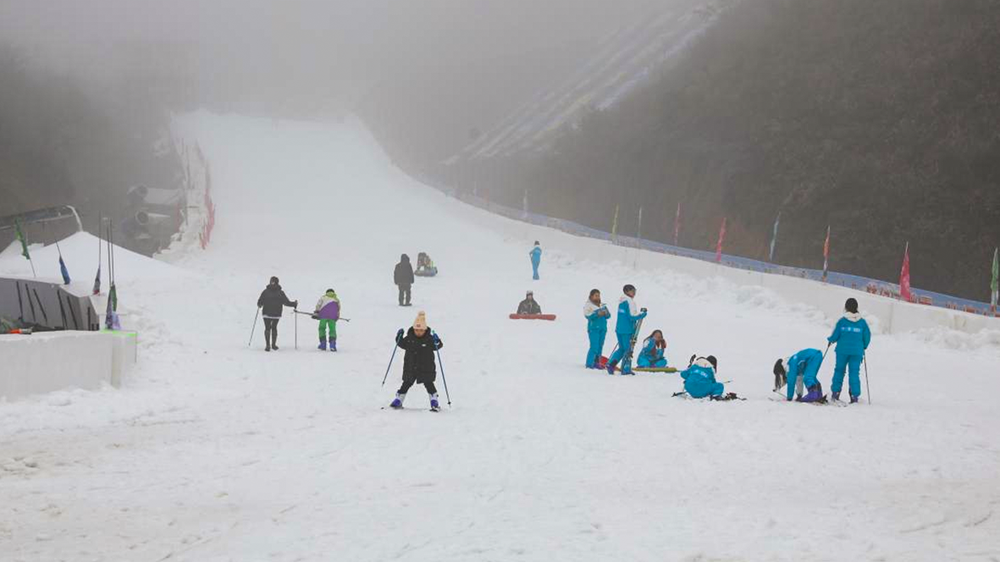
{"x":315,"y":316}
{"x":643,"y":310}
{"x":437,"y":340}
{"x":399,"y":335}
{"x":295,"y":304}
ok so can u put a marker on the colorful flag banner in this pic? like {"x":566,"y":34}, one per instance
{"x":826,"y":254}
{"x":995,"y":284}
{"x":722,"y":238}
{"x":62,"y":266}
{"x":639,"y":232}
{"x":614,"y":225}
{"x":774,"y":238}
{"x":677,"y":225}
{"x":24,"y":245}
{"x":904,"y":277}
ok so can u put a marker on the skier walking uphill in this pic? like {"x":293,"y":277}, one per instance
{"x":852,"y":336}
{"x":625,"y":328}
{"x":529,"y":305}
{"x":403,"y":277}
{"x":328,"y":312}
{"x":597,"y":315}
{"x":806,"y":364}
{"x":272,"y":302}
{"x":536,"y":260}
{"x":699,"y":378}
{"x":419,"y":343}
{"x":652,"y":354}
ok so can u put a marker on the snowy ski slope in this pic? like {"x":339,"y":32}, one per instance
{"x":213,"y":451}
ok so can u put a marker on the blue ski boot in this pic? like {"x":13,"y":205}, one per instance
{"x":611,"y":368}
{"x":333,"y":344}
{"x":854,"y":399}
{"x":322,"y":344}
{"x":815,"y":394}
{"x":397,"y":404}
{"x":435,"y":406}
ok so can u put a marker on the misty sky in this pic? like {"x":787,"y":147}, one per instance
{"x":356,"y":40}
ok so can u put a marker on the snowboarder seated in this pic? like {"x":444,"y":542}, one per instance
{"x":699,"y":378}
{"x":536,"y":260}
{"x":529,"y":305}
{"x":804,"y":364}
{"x":653,"y":347}
{"x":852,"y":336}
{"x":419,"y":343}
{"x":597,"y":315}
{"x":403,"y":277}
{"x":328,"y":312}
{"x":625,"y":330}
{"x":425,"y":266}
{"x":273,"y":300}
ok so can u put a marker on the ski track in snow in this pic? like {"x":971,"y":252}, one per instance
{"x":216,"y":451}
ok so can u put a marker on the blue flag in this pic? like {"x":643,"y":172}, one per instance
{"x":65,"y":272}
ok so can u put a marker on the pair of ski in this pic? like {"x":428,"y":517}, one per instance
{"x":824,"y":401}
{"x":432,"y":409}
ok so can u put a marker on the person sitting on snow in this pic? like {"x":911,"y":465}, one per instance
{"x":529,"y":305}
{"x":653,"y":348}
{"x":852,"y":336}
{"x":804,"y":364}
{"x":328,"y":312}
{"x":699,"y":378}
{"x":425,"y":266}
{"x":419,"y":343}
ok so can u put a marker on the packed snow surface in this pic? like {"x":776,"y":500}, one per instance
{"x":214,"y":450}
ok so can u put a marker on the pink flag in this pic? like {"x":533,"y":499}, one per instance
{"x":826,"y":254}
{"x":904,"y":277}
{"x":722,"y":238}
{"x":677,"y":225}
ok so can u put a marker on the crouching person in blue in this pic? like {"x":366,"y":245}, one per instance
{"x":597,"y":315}
{"x":653,"y":348}
{"x":852,"y":336}
{"x":699,"y":378}
{"x":628,"y":318}
{"x":804,"y":364}
{"x":419,"y":365}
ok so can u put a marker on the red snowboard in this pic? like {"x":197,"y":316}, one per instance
{"x":532,"y":316}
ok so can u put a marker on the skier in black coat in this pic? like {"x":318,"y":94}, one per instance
{"x":529,"y":305}
{"x":419,"y":366}
{"x":403,"y":277}
{"x":272,"y":302}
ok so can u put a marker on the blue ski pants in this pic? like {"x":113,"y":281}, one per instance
{"x":596,"y":346}
{"x":852,"y":364}
{"x":624,"y":351}
{"x":534,"y":269}
{"x":699,"y":387}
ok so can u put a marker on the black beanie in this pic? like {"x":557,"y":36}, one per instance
{"x":628,"y":288}
{"x":274,"y":280}
{"x":713,"y":361}
{"x":851,"y":306}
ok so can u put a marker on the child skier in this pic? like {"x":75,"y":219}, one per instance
{"x":597,"y":315}
{"x":328,"y":312}
{"x":699,"y":378}
{"x":536,"y":259}
{"x":852,"y":336}
{"x":806,"y":364}
{"x":653,"y":347}
{"x":272,"y":302}
{"x":420,"y":343}
{"x":625,"y":328}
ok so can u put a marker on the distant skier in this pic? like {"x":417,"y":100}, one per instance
{"x":652,"y":354}
{"x":699,"y":378}
{"x":328,"y":312}
{"x":536,"y":260}
{"x":272,"y":302}
{"x":403,"y":277}
{"x":625,"y":328}
{"x":529,"y":305}
{"x":419,"y":343}
{"x":852,"y":336}
{"x":804,"y":364}
{"x":597,"y":315}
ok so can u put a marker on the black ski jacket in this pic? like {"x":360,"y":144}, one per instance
{"x":273,"y":300}
{"x":418,"y":363}
{"x":403,"y":275}
{"x":529,"y":307}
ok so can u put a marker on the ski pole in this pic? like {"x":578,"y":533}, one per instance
{"x":443,"y":380}
{"x":252,"y":330}
{"x":676,"y":394}
{"x":864,"y":358}
{"x":394,"y":348}
{"x":296,"y":331}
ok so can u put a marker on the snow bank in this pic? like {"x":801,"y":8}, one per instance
{"x":45,"y":362}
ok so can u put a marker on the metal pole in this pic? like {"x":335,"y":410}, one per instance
{"x":864,"y":358}
{"x":254,"y":329}
{"x":394,"y":348}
